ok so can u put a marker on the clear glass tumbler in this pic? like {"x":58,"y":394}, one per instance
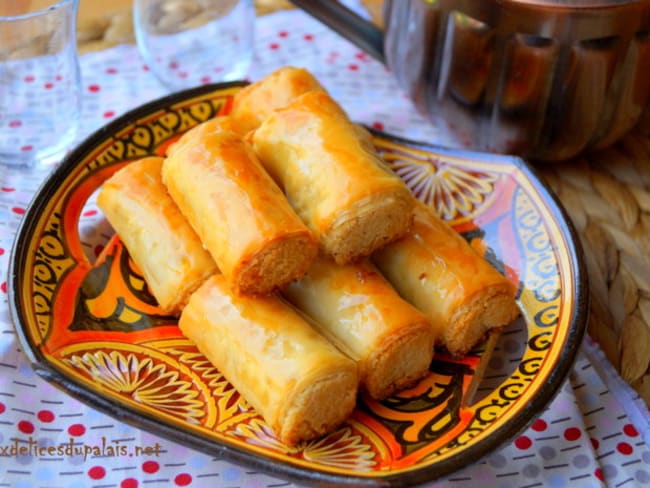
{"x":191,"y":42}
{"x":40,"y":95}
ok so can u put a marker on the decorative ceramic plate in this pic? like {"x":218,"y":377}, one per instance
{"x":89,"y":325}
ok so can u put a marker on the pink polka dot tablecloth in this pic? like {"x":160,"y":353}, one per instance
{"x":593,"y":434}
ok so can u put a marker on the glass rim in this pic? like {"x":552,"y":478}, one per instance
{"x":55,"y":5}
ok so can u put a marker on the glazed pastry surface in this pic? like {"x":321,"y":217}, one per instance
{"x":220,"y":123}
{"x":159,"y":239}
{"x":298,"y":381}
{"x":333,"y":177}
{"x":240,"y":214}
{"x":358,"y":310}
{"x":255,"y":102}
{"x":436,"y":270}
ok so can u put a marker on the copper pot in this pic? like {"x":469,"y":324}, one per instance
{"x":543,"y":79}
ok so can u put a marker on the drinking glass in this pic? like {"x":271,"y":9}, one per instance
{"x":191,"y":42}
{"x":40,"y":95}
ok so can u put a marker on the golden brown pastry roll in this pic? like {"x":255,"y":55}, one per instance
{"x":239,"y":213}
{"x":359,"y":311}
{"x":254,"y":103}
{"x":333,"y":177}
{"x":219,"y":123}
{"x":297,"y":380}
{"x":435,"y":269}
{"x":159,"y":239}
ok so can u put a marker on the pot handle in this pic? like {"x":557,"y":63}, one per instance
{"x":338,"y":17}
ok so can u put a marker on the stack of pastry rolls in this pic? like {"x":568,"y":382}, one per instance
{"x":274,"y":233}
{"x":296,"y":379}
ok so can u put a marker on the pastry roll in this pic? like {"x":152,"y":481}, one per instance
{"x":359,"y":311}
{"x":435,"y":269}
{"x":159,"y":239}
{"x":219,"y":123}
{"x":333,"y":177}
{"x":240,"y":214}
{"x":297,"y":380}
{"x":254,"y":103}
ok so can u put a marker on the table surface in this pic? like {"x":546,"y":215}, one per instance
{"x":587,"y":435}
